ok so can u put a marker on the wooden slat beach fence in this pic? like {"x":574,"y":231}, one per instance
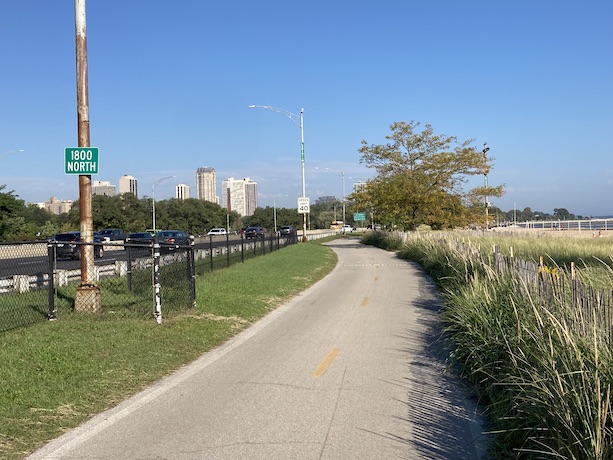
{"x":574,"y":302}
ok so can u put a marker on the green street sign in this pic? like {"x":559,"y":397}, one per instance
{"x":358,"y":216}
{"x":81,"y":160}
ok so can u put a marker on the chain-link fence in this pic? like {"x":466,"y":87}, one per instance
{"x":219,"y":252}
{"x":128,"y":281}
{"x":24,"y":281}
{"x":57,"y":279}
{"x":48,"y":280}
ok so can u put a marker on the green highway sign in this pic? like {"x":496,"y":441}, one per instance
{"x":358,"y":216}
{"x":81,"y":160}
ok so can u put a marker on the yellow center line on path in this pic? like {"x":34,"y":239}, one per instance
{"x":364,"y":302}
{"x":325,"y":364}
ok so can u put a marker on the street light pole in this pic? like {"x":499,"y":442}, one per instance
{"x":342,"y":174}
{"x":485,"y":169}
{"x":153,"y":197}
{"x":10,"y":153}
{"x":299,"y":121}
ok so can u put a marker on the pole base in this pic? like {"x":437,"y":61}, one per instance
{"x":88,"y":299}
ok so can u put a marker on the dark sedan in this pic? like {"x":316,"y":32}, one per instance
{"x":67,"y":245}
{"x":255,"y":232}
{"x":138,"y":240}
{"x":169,"y":240}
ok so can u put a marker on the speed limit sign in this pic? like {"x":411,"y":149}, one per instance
{"x":303,"y":205}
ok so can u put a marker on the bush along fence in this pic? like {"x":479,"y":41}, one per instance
{"x":39,"y":281}
{"x":534,"y":341}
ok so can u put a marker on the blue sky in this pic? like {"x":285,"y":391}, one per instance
{"x":170,"y":83}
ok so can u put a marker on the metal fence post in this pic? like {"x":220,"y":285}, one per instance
{"x":157,"y":314}
{"x":228,"y":249}
{"x":211,"y":252}
{"x":129,"y":267}
{"x":192,"y":269}
{"x":242,"y":247}
{"x":52,"y":315}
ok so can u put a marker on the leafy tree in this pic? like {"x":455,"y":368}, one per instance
{"x":36,"y":215}
{"x":10,"y":207}
{"x":262,"y":217}
{"x":323,"y":219}
{"x":193,"y":216}
{"x":527,"y":214}
{"x":562,"y":214}
{"x":289,"y":216}
{"x":419,"y":178}
{"x":136,"y":213}
{"x":49,"y":229}
{"x":265,"y":217}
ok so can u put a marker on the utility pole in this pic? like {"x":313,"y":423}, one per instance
{"x":88,"y":293}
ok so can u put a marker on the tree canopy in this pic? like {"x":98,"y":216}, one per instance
{"x":420,"y":176}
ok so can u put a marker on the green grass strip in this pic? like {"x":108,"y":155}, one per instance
{"x":56,"y":375}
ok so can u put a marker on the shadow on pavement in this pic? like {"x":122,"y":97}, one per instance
{"x":434,"y":386}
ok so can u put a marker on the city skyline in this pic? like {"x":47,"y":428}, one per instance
{"x":169,"y":188}
{"x":182,"y":191}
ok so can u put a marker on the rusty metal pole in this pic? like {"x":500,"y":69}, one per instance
{"x":88,"y":294}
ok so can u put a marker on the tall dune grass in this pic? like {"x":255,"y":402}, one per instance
{"x":546,"y":383}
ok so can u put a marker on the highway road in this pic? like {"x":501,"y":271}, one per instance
{"x":349,"y":369}
{"x":33,"y":259}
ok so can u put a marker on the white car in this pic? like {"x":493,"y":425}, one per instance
{"x":217,"y":231}
{"x":347,"y":228}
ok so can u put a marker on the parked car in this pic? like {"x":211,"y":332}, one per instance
{"x":286,"y":230}
{"x":112,"y":234}
{"x":170,"y":240}
{"x":217,"y":231}
{"x":255,"y":232}
{"x":139,"y":238}
{"x":67,"y":246}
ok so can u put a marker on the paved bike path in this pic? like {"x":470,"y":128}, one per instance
{"x":352,"y":368}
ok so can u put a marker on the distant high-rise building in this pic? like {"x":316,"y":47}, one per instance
{"x":128,"y":184}
{"x":57,"y":206}
{"x":206,"y":185}
{"x":360,"y":186}
{"x":103,"y":187}
{"x":326,"y":199}
{"x":182,"y":192}
{"x":240,"y":195}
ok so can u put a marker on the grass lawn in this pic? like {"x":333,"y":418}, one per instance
{"x":55,"y":375}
